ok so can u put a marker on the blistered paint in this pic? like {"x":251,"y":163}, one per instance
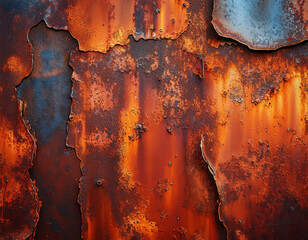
{"x":262,"y":24}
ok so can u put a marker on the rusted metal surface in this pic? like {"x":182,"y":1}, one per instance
{"x":17,"y":189}
{"x":130,"y":126}
{"x":138,"y":113}
{"x":262,"y":24}
{"x":110,"y":22}
{"x":19,"y":204}
{"x":257,"y":147}
{"x":257,"y":153}
{"x":257,"y":156}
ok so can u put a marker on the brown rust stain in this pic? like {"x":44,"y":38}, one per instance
{"x":257,"y":147}
{"x":19,"y":204}
{"x":155,"y":20}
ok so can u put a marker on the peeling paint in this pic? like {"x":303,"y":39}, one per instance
{"x":111,"y":22}
{"x":46,"y":105}
{"x":262,"y":25}
{"x":138,"y":113}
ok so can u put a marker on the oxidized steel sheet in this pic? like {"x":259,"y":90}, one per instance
{"x":262,"y":24}
{"x":136,"y":122}
{"x":19,"y":205}
{"x":137,"y":118}
{"x":101,"y":24}
{"x":46,"y":100}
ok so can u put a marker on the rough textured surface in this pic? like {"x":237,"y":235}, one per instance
{"x":262,"y":24}
{"x":45,"y":96}
{"x":19,"y":204}
{"x":138,"y":114}
{"x":131,"y":115}
{"x":257,"y":157}
{"x":257,"y":147}
{"x":110,"y":22}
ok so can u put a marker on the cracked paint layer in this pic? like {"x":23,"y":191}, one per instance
{"x":46,"y":104}
{"x":262,"y":24}
{"x":136,"y":119}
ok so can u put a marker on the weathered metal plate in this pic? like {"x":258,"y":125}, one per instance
{"x":160,"y":21}
{"x":256,"y":96}
{"x":19,"y":205}
{"x":137,"y":117}
{"x":262,"y":24}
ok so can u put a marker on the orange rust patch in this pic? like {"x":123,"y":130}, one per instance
{"x":16,"y":187}
{"x":15,"y":65}
{"x":111,"y":22}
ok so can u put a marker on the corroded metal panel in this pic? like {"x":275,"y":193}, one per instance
{"x":258,"y":143}
{"x":257,"y":156}
{"x":19,"y":205}
{"x":140,"y":109}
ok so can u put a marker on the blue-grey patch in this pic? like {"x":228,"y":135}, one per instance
{"x":50,"y":103}
{"x":51,"y":60}
{"x":259,"y":23}
{"x":22,"y":5}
